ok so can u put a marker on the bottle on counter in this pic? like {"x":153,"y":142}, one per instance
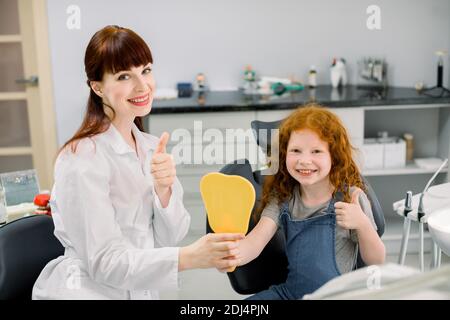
{"x":312,"y":77}
{"x":200,"y":82}
{"x":250,"y":85}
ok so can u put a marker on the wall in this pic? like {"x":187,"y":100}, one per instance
{"x":277,"y":37}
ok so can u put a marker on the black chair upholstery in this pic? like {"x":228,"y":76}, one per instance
{"x":26,"y":246}
{"x":378,"y":216}
{"x":377,"y":211}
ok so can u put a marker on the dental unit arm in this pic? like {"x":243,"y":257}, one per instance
{"x":420,"y":209}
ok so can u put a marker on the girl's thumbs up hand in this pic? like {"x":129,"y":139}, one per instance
{"x":350,"y":215}
{"x":163,"y":168}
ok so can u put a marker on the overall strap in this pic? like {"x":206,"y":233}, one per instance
{"x":284,"y":206}
{"x":339,"y":196}
{"x":284,"y":214}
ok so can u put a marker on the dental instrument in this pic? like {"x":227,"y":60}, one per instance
{"x":406,"y":227}
{"x":421,"y":214}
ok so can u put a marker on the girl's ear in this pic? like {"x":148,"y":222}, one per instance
{"x":97,"y":88}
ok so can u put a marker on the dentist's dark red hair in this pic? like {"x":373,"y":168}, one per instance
{"x":110,"y":50}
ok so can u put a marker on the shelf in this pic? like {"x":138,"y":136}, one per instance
{"x":409,"y":169}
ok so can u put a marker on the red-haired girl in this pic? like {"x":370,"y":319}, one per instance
{"x":317,"y":197}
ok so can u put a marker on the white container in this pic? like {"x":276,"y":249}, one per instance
{"x":338,"y":74}
{"x":373,"y":154}
{"x":312,"y":77}
{"x":394,"y":153}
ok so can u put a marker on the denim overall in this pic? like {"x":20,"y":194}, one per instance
{"x":310,"y":249}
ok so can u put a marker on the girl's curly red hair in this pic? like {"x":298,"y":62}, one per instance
{"x":344,"y":171}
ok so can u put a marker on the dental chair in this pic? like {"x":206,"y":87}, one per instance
{"x":271,"y":266}
{"x":26,"y":246}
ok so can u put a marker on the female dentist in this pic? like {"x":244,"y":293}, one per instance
{"x":116,"y":202}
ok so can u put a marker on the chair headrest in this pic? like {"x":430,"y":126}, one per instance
{"x":377,"y":210}
{"x":263,"y":134}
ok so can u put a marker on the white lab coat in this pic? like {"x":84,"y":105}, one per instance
{"x":119,"y":241}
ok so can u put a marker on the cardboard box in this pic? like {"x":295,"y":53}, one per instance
{"x":394,"y":153}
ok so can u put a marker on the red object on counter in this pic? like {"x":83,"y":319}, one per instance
{"x":43,"y":202}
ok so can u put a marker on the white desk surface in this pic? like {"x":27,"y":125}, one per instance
{"x":19,"y":211}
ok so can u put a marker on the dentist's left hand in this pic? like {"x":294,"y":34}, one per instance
{"x":163,"y":170}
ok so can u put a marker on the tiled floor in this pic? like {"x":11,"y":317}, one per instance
{"x":210,"y":284}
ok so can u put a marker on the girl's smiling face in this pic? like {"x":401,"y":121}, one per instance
{"x":128,"y":92}
{"x":308,"y":159}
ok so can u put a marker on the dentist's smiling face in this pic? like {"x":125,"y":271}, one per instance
{"x":308,"y":158}
{"x":128,"y":92}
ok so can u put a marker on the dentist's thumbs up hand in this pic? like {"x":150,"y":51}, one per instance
{"x":163,"y":169}
{"x":350,"y":215}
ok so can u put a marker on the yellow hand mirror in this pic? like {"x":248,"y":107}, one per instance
{"x":229,"y":201}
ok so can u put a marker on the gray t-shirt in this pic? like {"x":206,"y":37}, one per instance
{"x":346,"y":240}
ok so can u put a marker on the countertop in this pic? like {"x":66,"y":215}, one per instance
{"x":349,"y":96}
